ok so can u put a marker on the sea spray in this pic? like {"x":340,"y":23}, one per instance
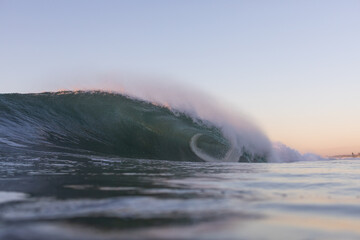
{"x":246,"y":138}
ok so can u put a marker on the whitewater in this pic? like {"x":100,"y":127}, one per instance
{"x":132,"y":165}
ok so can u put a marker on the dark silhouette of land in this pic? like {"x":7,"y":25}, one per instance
{"x":352,"y":155}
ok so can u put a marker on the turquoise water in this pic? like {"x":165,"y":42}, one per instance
{"x":68,"y":196}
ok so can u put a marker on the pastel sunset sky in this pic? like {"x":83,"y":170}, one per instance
{"x":292,"y":66}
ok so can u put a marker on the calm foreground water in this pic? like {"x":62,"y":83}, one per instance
{"x":68,"y":196}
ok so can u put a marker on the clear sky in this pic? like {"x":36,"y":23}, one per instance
{"x":293,"y":66}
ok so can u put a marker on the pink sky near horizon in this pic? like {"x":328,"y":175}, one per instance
{"x":292,"y":66}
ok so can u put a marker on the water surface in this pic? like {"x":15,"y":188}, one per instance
{"x":72,"y":196}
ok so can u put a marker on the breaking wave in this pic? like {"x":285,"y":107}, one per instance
{"x":95,"y":122}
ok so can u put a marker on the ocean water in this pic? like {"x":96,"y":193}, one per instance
{"x":93,"y":165}
{"x":86,"y":197}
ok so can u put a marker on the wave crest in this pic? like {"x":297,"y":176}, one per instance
{"x":127,"y":126}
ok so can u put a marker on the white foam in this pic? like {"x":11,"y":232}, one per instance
{"x":283,"y":153}
{"x":11,"y":196}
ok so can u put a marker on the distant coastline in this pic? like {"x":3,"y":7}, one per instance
{"x":346,"y":156}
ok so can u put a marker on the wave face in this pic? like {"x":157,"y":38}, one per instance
{"x":119,"y":125}
{"x":112,"y":124}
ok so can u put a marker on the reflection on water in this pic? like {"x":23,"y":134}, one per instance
{"x":67,"y":196}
